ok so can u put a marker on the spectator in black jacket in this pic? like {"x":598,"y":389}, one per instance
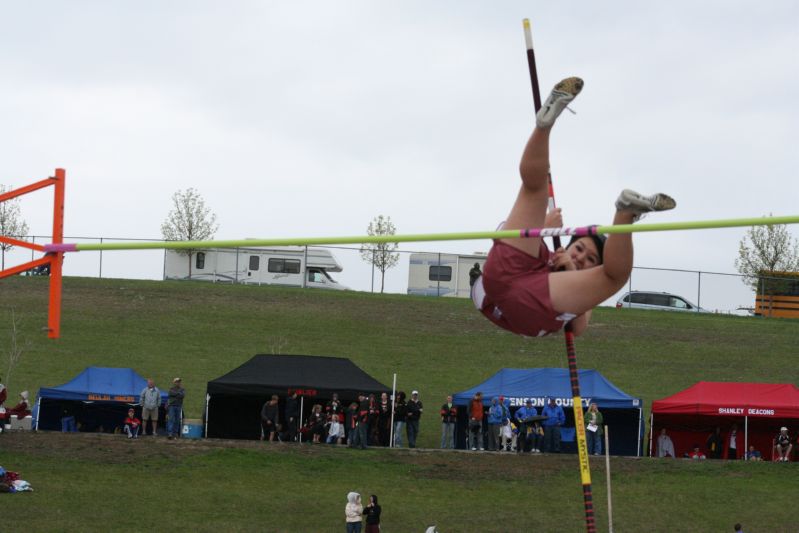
{"x":292,"y":416}
{"x":449,"y":414}
{"x":269,"y":416}
{"x":400,"y":414}
{"x":372,"y":512}
{"x":412,"y":419}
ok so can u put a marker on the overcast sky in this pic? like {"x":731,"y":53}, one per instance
{"x":310,"y":118}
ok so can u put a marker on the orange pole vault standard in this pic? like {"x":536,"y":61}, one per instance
{"x":53,"y":259}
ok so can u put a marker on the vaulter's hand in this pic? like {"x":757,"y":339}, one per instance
{"x":554,"y":218}
{"x":561,"y":260}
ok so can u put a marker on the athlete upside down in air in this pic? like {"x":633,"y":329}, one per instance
{"x":531,"y":291}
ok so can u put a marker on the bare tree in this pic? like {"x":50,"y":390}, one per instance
{"x":382,"y":254}
{"x":189,"y":220}
{"x":16,"y":346}
{"x":765,"y":252}
{"x":11,"y":224}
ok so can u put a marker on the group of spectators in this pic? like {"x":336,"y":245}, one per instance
{"x":497,"y":428}
{"x":363,"y":423}
{"x":20,"y":410}
{"x":726,"y":446}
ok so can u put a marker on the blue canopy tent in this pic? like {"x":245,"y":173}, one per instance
{"x":622,"y":413}
{"x":99,"y":398}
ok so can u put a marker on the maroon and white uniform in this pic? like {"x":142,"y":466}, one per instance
{"x":513,"y":292}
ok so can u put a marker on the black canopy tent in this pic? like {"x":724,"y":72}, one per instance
{"x":234,"y":400}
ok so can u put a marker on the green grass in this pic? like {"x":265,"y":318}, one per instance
{"x":438,"y":346}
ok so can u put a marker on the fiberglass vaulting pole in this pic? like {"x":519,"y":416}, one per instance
{"x":577,"y":404}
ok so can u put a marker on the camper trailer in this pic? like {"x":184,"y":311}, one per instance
{"x":439,"y":274}
{"x":284,"y":265}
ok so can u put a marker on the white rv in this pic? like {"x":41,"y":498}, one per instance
{"x":434,"y":274}
{"x":282,"y":265}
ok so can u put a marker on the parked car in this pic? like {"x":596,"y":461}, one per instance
{"x":657,"y":300}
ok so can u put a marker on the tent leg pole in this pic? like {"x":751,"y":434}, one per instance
{"x":607,"y":475}
{"x":651,"y":429}
{"x":746,"y":438}
{"x":393,"y":401}
{"x":207,"y":402}
{"x":299,"y":420}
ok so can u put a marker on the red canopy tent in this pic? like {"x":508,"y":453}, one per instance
{"x":758,"y":410}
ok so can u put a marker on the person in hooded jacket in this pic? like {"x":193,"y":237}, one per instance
{"x":372,"y":512}
{"x":495,"y":416}
{"x":352,"y":512}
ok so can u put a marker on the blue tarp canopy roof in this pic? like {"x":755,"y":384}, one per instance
{"x":538,"y":384}
{"x":100,"y":384}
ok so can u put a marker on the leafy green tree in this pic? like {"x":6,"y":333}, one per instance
{"x":764,"y":253}
{"x":381,"y":255}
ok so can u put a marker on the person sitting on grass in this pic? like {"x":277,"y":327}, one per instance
{"x":530,"y":291}
{"x":132,"y":425}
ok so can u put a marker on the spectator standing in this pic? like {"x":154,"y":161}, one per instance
{"x":363,"y":421}
{"x":374,"y":421}
{"x":3,"y":392}
{"x":352,"y":424}
{"x":291,"y":414}
{"x":384,"y":420}
{"x":174,"y":407}
{"x":132,"y":425}
{"x":400,"y":418}
{"x":68,"y":422}
{"x":415,"y":409}
{"x":352,"y":512}
{"x":474,"y":273}
{"x":269,"y":418}
{"x":783,"y":445}
{"x":715,"y":444}
{"x":524,"y":425}
{"x":372,"y":512}
{"x":555,"y":419}
{"x":494,"y":423}
{"x":334,"y":407}
{"x":476,"y":414}
{"x":449,"y":414}
{"x":732,"y":443}
{"x":594,"y":429}
{"x":665,"y":446}
{"x":150,"y":401}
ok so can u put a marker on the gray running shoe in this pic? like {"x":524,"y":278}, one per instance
{"x":563,"y":93}
{"x":640,"y":205}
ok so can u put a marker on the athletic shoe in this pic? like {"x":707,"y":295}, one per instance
{"x":563,"y":93}
{"x":474,"y":449}
{"x":639,"y":204}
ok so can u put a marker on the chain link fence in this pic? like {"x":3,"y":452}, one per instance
{"x":714,"y":291}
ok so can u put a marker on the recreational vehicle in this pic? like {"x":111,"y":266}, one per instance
{"x":296,"y":266}
{"x":439,"y":274}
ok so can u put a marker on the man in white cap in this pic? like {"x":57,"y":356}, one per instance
{"x":174,"y":406}
{"x":412,"y":419}
{"x":783,"y":445}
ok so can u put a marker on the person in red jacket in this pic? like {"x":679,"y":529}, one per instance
{"x":132,"y":425}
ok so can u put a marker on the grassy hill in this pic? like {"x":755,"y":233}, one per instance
{"x":200,"y":331}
